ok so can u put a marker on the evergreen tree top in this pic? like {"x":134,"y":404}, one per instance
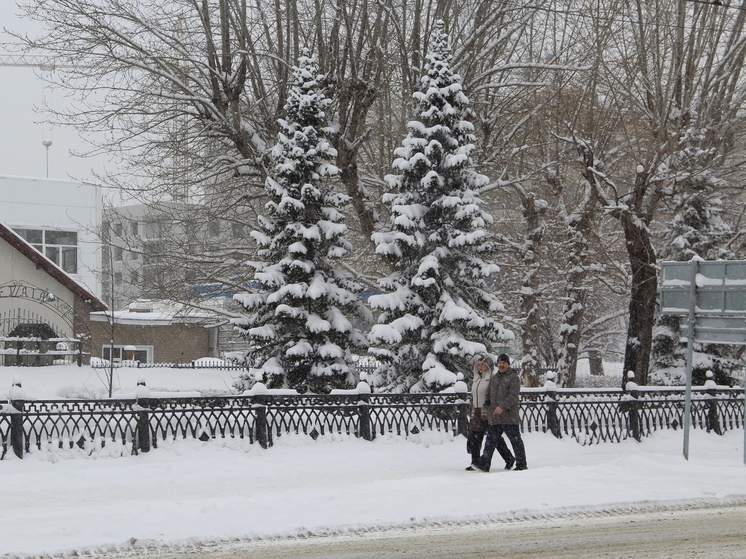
{"x":441,"y":98}
{"x":306,"y":102}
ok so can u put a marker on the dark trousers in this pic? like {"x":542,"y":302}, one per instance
{"x":495,"y":441}
{"x":474,"y":445}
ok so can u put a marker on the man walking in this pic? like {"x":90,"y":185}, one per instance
{"x":501,"y":405}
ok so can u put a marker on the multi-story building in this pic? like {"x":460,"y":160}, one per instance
{"x":124,"y":255}
{"x":168,"y":251}
{"x":59,"y":219}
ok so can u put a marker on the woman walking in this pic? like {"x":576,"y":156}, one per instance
{"x":483,"y":369}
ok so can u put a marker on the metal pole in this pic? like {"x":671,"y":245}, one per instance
{"x":47,"y":144}
{"x":690,"y":354}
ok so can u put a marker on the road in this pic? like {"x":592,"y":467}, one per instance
{"x":710,"y":533}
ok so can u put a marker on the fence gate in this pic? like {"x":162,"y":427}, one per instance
{"x":24,"y":306}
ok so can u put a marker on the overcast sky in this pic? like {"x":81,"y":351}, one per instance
{"x":23,"y":123}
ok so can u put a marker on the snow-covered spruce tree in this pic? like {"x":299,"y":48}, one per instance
{"x":300,"y":321}
{"x":436,"y":312}
{"x":697,"y":230}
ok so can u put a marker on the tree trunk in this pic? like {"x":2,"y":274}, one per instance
{"x":347,"y":163}
{"x":642,"y":300}
{"x":570,"y":329}
{"x":573,"y":309}
{"x":529,"y":307}
{"x":579,"y":228}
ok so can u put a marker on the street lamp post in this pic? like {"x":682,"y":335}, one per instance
{"x":47,"y":144}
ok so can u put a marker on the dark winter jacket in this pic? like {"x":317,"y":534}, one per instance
{"x":504,"y":391}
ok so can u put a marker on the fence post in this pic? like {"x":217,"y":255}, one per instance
{"x":633,"y":412}
{"x":80,"y":353}
{"x":713,"y":422}
{"x":363,"y":409}
{"x":552,"y":407}
{"x":142,"y":397}
{"x":17,"y":405}
{"x":463,"y":413}
{"x":261,"y":428}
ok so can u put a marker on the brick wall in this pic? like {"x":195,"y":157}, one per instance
{"x":82,"y":325}
{"x":174,"y":343}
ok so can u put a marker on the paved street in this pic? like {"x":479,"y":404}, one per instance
{"x":703,"y":534}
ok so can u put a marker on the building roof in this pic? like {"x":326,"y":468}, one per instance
{"x":159,"y":313}
{"x":44,"y":263}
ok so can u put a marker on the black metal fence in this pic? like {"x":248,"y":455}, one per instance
{"x":588,"y":416}
{"x":595,"y":416}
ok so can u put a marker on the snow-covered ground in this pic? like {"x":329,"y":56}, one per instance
{"x":192,"y":491}
{"x":189,"y":491}
{"x":70,"y":381}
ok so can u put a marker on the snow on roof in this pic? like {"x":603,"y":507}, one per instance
{"x":157,"y":312}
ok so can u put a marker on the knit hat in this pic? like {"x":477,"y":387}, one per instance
{"x":503,"y":357}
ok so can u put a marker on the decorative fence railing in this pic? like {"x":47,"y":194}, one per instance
{"x":361,"y":366}
{"x":590,"y":417}
{"x":594,"y":416}
{"x":101,"y":364}
{"x":38,"y":352}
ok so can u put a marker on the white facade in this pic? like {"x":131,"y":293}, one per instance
{"x":69,"y":210}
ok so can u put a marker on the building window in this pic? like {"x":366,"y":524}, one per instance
{"x":118,"y":254}
{"x":33,"y":237}
{"x":213,"y":228}
{"x":155,"y":230}
{"x":238,"y":230}
{"x":118,"y":229}
{"x":118,"y":278}
{"x":134,"y":277}
{"x":143,"y":354}
{"x":61,"y":247}
{"x":134,"y":228}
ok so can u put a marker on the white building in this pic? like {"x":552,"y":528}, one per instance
{"x":60,"y":219}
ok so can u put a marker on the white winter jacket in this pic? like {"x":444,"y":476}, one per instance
{"x":479,"y":388}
